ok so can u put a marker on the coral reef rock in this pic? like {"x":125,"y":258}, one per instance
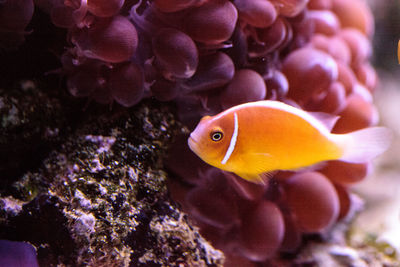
{"x":100,"y":198}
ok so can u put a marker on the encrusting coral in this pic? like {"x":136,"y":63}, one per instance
{"x":207,"y":56}
{"x":101,"y":199}
{"x":32,"y":122}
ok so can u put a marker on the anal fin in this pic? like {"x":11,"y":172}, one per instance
{"x":311,"y":168}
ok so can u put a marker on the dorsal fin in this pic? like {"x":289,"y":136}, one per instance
{"x":326,"y":119}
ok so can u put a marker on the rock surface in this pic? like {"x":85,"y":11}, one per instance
{"x":100,"y":197}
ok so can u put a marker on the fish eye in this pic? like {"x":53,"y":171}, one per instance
{"x":216,"y":136}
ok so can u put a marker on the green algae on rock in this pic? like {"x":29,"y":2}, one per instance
{"x":30,"y":123}
{"x":101,"y":198}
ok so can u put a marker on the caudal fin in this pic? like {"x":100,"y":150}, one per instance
{"x":363,"y":145}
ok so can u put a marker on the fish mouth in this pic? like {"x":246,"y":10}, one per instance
{"x":192,"y":142}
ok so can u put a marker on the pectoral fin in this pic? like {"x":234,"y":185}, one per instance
{"x":314,"y":167}
{"x":262,"y":165}
{"x":260,"y":162}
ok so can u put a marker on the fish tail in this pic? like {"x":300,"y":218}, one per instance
{"x":363,"y":145}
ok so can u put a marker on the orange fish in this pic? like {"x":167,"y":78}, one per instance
{"x":398,"y":51}
{"x":261,"y":137}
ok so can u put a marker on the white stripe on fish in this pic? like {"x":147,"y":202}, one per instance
{"x":232,"y":144}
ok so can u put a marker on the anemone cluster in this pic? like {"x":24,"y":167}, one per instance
{"x":315,"y":58}
{"x":209,"y":55}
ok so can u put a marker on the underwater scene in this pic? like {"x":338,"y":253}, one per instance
{"x":221,"y":133}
